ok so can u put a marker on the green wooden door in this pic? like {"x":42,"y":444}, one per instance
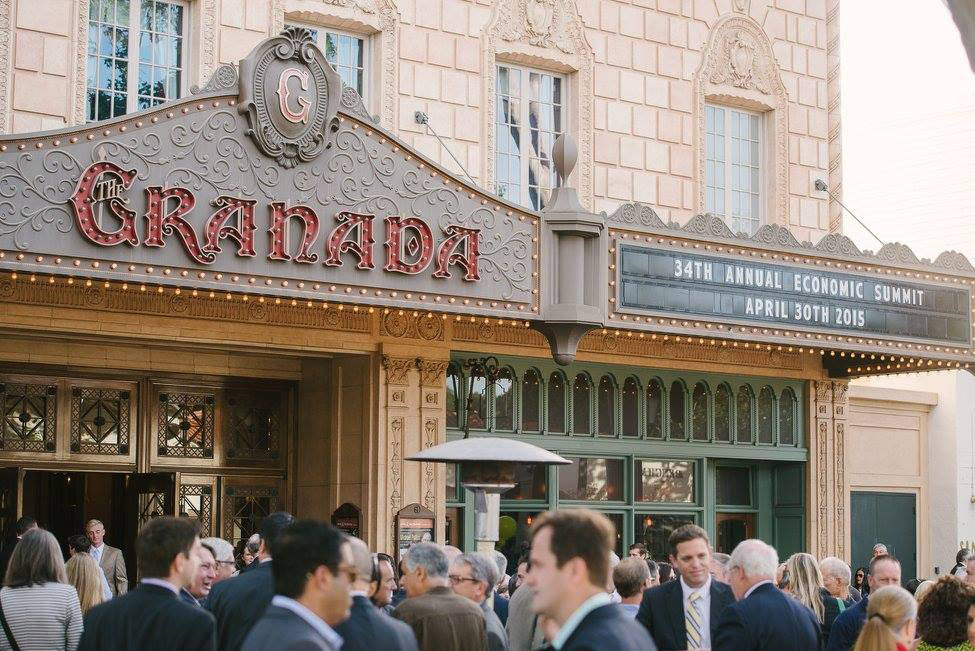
{"x":788,"y":521}
{"x":888,"y":518}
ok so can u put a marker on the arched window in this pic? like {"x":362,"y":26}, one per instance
{"x":531,"y":387}
{"x":606,"y":402}
{"x":631,"y":407}
{"x":655,"y":410}
{"x":766,"y":407}
{"x":477,"y":416}
{"x":700,"y":412}
{"x":678,"y":416}
{"x":453,"y":395}
{"x":556,"y":403}
{"x":746,"y":401}
{"x":582,"y":405}
{"x":504,"y":400}
{"x":787,"y":417}
{"x":722,"y":413}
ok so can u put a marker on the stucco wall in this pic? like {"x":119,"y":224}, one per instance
{"x":951,"y":457}
{"x":632,"y":71}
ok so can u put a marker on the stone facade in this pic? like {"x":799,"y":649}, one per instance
{"x":637,"y":75}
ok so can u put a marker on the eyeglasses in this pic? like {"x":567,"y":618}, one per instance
{"x":226,"y":563}
{"x":455,"y":579}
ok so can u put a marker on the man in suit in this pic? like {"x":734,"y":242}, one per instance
{"x":568,"y":574}
{"x":151,"y":616}
{"x":884,"y":570}
{"x":109,"y":558}
{"x":312,"y":568}
{"x":368,"y":628}
{"x":239,"y":602}
{"x":197,"y":592}
{"x":764,"y":618}
{"x":684,"y":614}
{"x":473,"y":576}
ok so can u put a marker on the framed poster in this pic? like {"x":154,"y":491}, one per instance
{"x":347,"y":519}
{"x":414,"y":524}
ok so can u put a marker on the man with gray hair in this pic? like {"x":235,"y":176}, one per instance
{"x":764,"y":618}
{"x":500,"y":589}
{"x":836,"y":579}
{"x":473,"y":576}
{"x":440,"y":619}
{"x":223,"y":552}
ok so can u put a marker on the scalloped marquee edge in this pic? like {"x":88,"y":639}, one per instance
{"x":642,"y":217}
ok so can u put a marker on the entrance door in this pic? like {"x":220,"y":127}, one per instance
{"x":147,"y":496}
{"x":9,"y":499}
{"x":888,"y":518}
{"x":732,"y":529}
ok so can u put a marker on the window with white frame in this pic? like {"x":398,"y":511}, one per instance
{"x":136,"y":55}
{"x":346,"y":52}
{"x":530,"y":116}
{"x":733,"y":167}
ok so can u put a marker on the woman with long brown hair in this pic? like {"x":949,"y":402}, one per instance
{"x":890,"y":624}
{"x":40,"y":608}
{"x":84,"y":574}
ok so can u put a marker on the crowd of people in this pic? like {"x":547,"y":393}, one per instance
{"x":304,"y":585}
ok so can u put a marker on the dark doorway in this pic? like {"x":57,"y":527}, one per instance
{"x":63,"y":502}
{"x":732,"y":529}
{"x":888,"y":518}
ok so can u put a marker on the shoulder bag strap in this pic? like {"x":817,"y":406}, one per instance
{"x":7,"y":631}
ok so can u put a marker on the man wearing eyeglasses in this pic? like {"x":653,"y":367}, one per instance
{"x":368,"y":628}
{"x":440,"y":619}
{"x":473,"y":576}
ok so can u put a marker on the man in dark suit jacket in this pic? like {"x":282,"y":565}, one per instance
{"x":764,"y":618}
{"x":569,"y":572}
{"x":312,"y":568}
{"x":663,"y":610}
{"x":152,"y":616}
{"x":238,"y":602}
{"x":368,"y":628}
{"x":22,"y":526}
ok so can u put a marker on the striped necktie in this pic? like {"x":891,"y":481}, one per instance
{"x":693,"y":621}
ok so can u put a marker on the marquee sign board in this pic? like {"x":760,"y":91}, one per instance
{"x":736,"y":290}
{"x":273,"y":183}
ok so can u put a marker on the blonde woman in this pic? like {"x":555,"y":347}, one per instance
{"x":41,"y":609}
{"x":85,"y":575}
{"x":890,"y":624}
{"x":806,"y":586}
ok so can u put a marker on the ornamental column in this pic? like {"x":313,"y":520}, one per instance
{"x":828,"y":525}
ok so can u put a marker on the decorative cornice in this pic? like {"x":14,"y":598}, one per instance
{"x":184,"y":304}
{"x":432,"y":372}
{"x":643,"y":218}
{"x":398,"y":369}
{"x":401,"y":324}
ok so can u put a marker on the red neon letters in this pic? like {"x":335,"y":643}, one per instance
{"x":409,"y":244}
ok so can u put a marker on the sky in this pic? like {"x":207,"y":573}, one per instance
{"x":908,"y":124}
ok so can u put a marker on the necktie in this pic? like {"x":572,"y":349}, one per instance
{"x":97,"y":553}
{"x":693,"y":621}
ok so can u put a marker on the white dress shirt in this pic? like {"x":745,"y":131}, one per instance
{"x":704,"y":604}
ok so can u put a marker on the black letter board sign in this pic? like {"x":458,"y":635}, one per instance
{"x":791,"y":296}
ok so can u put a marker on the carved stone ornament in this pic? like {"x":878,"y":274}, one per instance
{"x":551,"y":34}
{"x":223,"y":79}
{"x":739,"y":67}
{"x":433,"y":372}
{"x":290,"y":95}
{"x":398,"y":369}
{"x":636,"y":213}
